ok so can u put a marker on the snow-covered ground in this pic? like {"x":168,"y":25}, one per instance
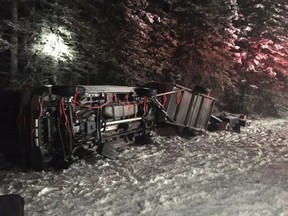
{"x":219,"y":173}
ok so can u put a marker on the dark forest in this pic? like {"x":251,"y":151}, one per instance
{"x":236,"y":48}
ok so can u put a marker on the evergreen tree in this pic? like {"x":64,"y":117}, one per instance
{"x":236,"y":47}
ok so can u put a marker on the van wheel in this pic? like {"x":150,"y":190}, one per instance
{"x":144,"y":139}
{"x":37,"y":159}
{"x":67,"y":91}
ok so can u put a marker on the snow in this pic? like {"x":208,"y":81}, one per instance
{"x":217,"y":173}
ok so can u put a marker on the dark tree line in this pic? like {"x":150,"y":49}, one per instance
{"x":238,"y":48}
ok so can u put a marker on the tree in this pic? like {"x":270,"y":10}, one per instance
{"x":14,"y":41}
{"x":260,"y":39}
{"x":238,"y":47}
{"x":259,"y":49}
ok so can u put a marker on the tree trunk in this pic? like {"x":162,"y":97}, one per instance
{"x":14,"y":42}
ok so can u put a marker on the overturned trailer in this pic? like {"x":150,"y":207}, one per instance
{"x":182,"y":107}
{"x":60,"y":124}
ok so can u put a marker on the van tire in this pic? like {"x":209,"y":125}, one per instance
{"x":67,"y":91}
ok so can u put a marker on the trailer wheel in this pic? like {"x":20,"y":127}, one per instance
{"x":59,"y":163}
{"x":201,"y":90}
{"x":142,"y":92}
{"x":67,"y":91}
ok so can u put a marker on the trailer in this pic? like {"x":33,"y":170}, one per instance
{"x":182,"y":107}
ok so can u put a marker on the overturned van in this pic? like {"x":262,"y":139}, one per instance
{"x":60,"y":123}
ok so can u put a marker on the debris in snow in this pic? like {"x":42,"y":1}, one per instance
{"x":46,"y":190}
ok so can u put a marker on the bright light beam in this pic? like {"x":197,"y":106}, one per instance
{"x":55,"y":46}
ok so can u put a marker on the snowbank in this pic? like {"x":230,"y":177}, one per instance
{"x":219,"y":173}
